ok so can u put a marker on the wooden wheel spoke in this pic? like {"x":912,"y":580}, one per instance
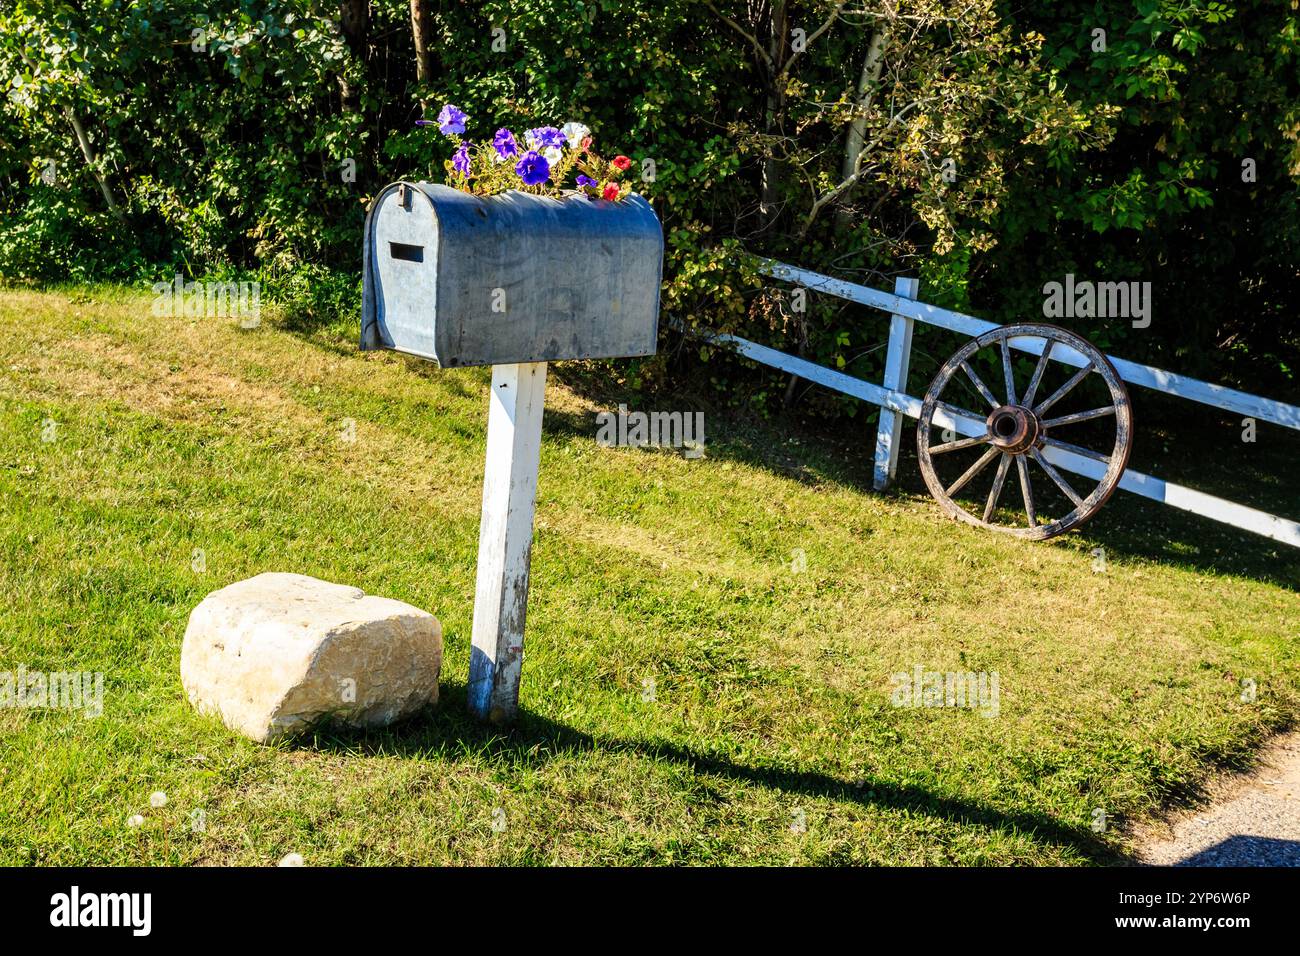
{"x":980,"y":386}
{"x":1080,"y":416}
{"x":998,"y":481}
{"x":958,"y":445}
{"x":957,"y":413}
{"x":1064,"y":390}
{"x":1009,"y":378}
{"x":971,"y":472}
{"x":1027,"y":490}
{"x":1056,"y":477}
{"x":1039,"y":369}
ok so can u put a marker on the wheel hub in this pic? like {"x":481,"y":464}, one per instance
{"x":1014,"y":428}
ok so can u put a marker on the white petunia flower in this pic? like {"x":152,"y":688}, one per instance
{"x":575,"y":133}
{"x":552,"y":154}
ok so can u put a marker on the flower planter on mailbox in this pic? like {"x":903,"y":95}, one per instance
{"x":468,"y":280}
{"x":513,"y":281}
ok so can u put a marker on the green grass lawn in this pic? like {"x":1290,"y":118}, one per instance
{"x":771,"y":704}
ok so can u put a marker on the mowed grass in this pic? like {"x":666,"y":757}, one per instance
{"x":687,"y":697}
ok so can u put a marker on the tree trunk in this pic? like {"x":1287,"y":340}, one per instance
{"x":421,"y":30}
{"x":868,"y":83}
{"x":778,"y":50}
{"x":354,"y":21}
{"x":84,"y":142}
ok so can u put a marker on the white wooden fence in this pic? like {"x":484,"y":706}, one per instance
{"x":905,"y":310}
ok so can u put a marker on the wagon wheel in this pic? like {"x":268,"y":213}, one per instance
{"x":1020,"y":431}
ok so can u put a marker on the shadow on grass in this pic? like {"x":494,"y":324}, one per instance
{"x":533,"y":740}
{"x":1199,"y":448}
{"x":1177,"y":440}
{"x":1128,"y":525}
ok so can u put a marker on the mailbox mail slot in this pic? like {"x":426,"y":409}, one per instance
{"x":469,"y":280}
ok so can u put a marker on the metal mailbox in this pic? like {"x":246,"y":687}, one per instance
{"x":514,"y":278}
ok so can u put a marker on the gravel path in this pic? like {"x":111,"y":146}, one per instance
{"x":1251,"y":821}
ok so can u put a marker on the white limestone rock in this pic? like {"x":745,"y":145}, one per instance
{"x":276,"y":653}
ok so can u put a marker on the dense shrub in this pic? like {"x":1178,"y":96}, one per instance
{"x":998,"y":151}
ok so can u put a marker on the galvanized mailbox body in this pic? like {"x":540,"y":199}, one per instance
{"x":513,"y":278}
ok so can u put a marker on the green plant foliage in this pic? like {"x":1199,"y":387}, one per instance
{"x":988,"y":150}
{"x":1197,"y":193}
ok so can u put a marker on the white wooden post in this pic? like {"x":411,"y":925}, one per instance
{"x":889,"y":431}
{"x":505,"y":541}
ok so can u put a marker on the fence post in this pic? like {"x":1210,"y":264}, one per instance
{"x":889,"y":431}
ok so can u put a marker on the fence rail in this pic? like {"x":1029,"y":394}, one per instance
{"x":891,"y":395}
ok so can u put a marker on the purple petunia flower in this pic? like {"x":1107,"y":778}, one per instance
{"x":460,"y":162}
{"x":504,"y":143}
{"x":586,"y":181}
{"x":451,"y":120}
{"x":545,"y":137}
{"x":533,"y":168}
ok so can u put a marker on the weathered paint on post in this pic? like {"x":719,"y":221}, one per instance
{"x":506,"y":539}
{"x":890,"y":429}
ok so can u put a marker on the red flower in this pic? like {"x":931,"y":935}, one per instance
{"x":623,"y":163}
{"x":611,"y":192}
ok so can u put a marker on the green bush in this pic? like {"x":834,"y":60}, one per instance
{"x":1001,"y":151}
{"x":52,"y":238}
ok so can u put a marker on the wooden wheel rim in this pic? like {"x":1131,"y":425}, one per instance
{"x":1116,"y":461}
